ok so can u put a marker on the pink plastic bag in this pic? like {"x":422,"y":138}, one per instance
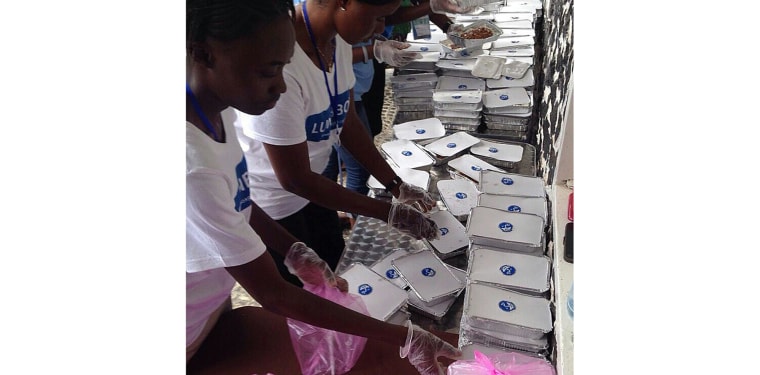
{"x":507,"y":363}
{"x":322,"y":351}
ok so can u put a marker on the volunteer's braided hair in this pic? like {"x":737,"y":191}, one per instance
{"x":228,"y":20}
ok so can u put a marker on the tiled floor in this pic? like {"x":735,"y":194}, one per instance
{"x":239,"y":296}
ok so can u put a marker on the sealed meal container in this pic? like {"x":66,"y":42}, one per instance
{"x":468,"y":348}
{"x":383,"y":267}
{"x":507,"y":119}
{"x":471,"y":166}
{"x":423,"y":47}
{"x":512,"y":16}
{"x":505,"y":98}
{"x":382,"y":298}
{"x":502,"y":126}
{"x":526,"y":81}
{"x":428,"y":276}
{"x":513,"y":41}
{"x":448,"y":83}
{"x":506,"y":155}
{"x":453,"y":144}
{"x":458,"y":100}
{"x":406,"y":154}
{"x":489,"y":67}
{"x":505,"y":134}
{"x":413,"y":101}
{"x":475,"y":34}
{"x":411,"y":176}
{"x":504,"y":341}
{"x":439,"y":310}
{"x":453,"y":51}
{"x":459,"y":120}
{"x":512,"y":52}
{"x":523,"y":273}
{"x":494,"y":309}
{"x":429,"y":128}
{"x":457,"y":114}
{"x":493,"y":182}
{"x":514,"y":231}
{"x":406,"y":116}
{"x":511,"y":203}
{"x":453,"y":239}
{"x":414,"y":81}
{"x":399,"y":317}
{"x":518,"y":24}
{"x":459,"y":196}
{"x":464,"y":64}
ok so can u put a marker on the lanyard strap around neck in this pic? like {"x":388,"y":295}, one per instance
{"x":333,"y":98}
{"x":199,"y":112}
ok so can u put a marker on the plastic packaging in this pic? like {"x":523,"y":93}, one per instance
{"x":501,"y":363}
{"x":322,"y":351}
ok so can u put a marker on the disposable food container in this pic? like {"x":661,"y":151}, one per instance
{"x":428,"y":276}
{"x":465,"y":64}
{"x":453,"y":239}
{"x":511,"y":203}
{"x":512,"y":16}
{"x":507,"y":154}
{"x":438,"y":310}
{"x":523,"y":273}
{"x":460,"y":120}
{"x":406,"y":154}
{"x":471,"y":166}
{"x":459,"y":196}
{"x":504,"y":341}
{"x":452,"y":127}
{"x":448,"y":83}
{"x":514,"y":231}
{"x":492,"y":182}
{"x":489,"y":67}
{"x":508,"y":97}
{"x":499,"y":310}
{"x":458,"y":100}
{"x":512,"y":52}
{"x":406,"y":116}
{"x":475,"y":34}
{"x":409,"y":175}
{"x":429,"y":128}
{"x":473,"y":115}
{"x":528,"y":80}
{"x":414,"y":81}
{"x":519,"y":24}
{"x":382,"y":298}
{"x":384,"y":268}
{"x":453,"y":144}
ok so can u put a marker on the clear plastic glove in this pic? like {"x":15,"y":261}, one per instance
{"x":303,"y":262}
{"x":417,"y":196}
{"x":423,"y":349}
{"x":392,"y":52}
{"x":411,"y":221}
{"x":454,"y":6}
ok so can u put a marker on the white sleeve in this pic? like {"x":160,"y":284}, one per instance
{"x":282,"y":125}
{"x":217,"y":235}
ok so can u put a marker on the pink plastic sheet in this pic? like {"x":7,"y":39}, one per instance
{"x":507,"y":363}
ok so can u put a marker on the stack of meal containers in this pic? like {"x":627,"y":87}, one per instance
{"x":413,"y":95}
{"x":454,"y":118}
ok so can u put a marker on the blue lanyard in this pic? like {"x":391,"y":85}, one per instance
{"x":200,"y":113}
{"x":333,"y":98}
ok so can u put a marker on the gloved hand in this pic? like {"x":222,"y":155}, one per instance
{"x":453,"y":6}
{"x":415,"y":195}
{"x":392,"y":52}
{"x":411,"y":221}
{"x":310,"y":268}
{"x":423,"y":349}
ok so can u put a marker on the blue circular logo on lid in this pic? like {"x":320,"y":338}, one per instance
{"x":507,"y":181}
{"x":451,"y":145}
{"x":456,"y":96}
{"x":464,"y":53}
{"x":365,"y":289}
{"x":515,"y":41}
{"x":503,"y":96}
{"x":476,"y":168}
{"x":424,"y":49}
{"x":512,"y":50}
{"x":462,"y":86}
{"x":411,"y":79}
{"x":507,"y":306}
{"x":514,"y":208}
{"x":444,"y":231}
{"x":458,"y":64}
{"x":505,"y":227}
{"x":508,"y":78}
{"x":420,"y":131}
{"x":493,"y":150}
{"x":460,"y":195}
{"x":406,"y":153}
{"x":391,"y":273}
{"x":429,"y":272}
{"x":507,"y":270}
{"x":515,"y":18}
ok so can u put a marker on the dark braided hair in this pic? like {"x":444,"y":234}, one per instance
{"x":228,"y":20}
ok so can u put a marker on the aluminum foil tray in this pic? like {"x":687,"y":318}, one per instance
{"x":439,"y":310}
{"x":508,"y":312}
{"x":493,"y":182}
{"x":519,"y":272}
{"x":504,"y":341}
{"x":382,"y":298}
{"x":506,"y":230}
{"x":385,"y":269}
{"x":371,"y":239}
{"x":453,"y":239}
{"x":452,"y":145}
{"x":459,"y":196}
{"x":459,"y":120}
{"x":414,"y":107}
{"x":506,"y":135}
{"x":511,"y":203}
{"x":458,"y":38}
{"x":428,"y":276}
{"x":406,"y":116}
{"x":468,"y":348}
{"x":517,"y":129}
{"x":458,"y":127}
{"x":457,"y":114}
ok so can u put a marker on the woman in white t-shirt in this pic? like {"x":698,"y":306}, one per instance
{"x":236,"y":50}
{"x":288,"y":147}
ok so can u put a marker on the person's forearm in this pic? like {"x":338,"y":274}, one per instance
{"x":358,"y":54}
{"x":408,"y":14}
{"x":356,"y":140}
{"x":271,"y":232}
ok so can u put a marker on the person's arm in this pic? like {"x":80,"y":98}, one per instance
{"x":358,"y":54}
{"x":408,"y":14}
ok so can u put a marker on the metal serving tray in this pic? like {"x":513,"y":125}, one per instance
{"x":406,"y":154}
{"x":459,"y":197}
{"x":382,"y":298}
{"x":506,"y":230}
{"x":493,"y":182}
{"x":383,"y":267}
{"x":439,"y":310}
{"x":453,"y":239}
{"x":511,"y":203}
{"x":494,"y":309}
{"x":428,"y":276}
{"x":429,"y":128}
{"x":519,"y":272}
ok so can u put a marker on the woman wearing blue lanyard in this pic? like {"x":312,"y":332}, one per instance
{"x":288,"y":147}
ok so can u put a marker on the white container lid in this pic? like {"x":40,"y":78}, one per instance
{"x":489,"y":67}
{"x":505,"y":97}
{"x":441,"y":308}
{"x":453,"y":236}
{"x":458,"y":97}
{"x":512,"y":16}
{"x":421,"y":77}
{"x":508,"y":307}
{"x":423,"y":47}
{"x":380,"y":295}
{"x":513,"y":41}
{"x":505,"y":82}
{"x":411,"y":176}
{"x":384,"y":268}
{"x":493,"y":182}
{"x":517,"y":32}
{"x":509,"y":269}
{"x":406,"y":154}
{"x":515,"y":69}
{"x":471,"y":166}
{"x":458,"y":64}
{"x":486,"y":222}
{"x":449,"y":83}
{"x":498,"y":151}
{"x":512,"y":203}
{"x":459,"y":195}
{"x":419,"y":129}
{"x":452,"y":144}
{"x":513,"y":52}
{"x":428,"y":276}
{"x":519,"y":24}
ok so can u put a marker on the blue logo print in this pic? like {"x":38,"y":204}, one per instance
{"x":458,"y":64}
{"x":508,"y":78}
{"x":507,"y":306}
{"x":411,"y":79}
{"x":514,"y":208}
{"x":515,"y":41}
{"x":429,"y":272}
{"x":503,"y":96}
{"x":462,"y":86}
{"x":444,"y":231}
{"x":406,"y":153}
{"x":456,"y":96}
{"x":476,"y":168}
{"x":505,"y":227}
{"x":423,"y":49}
{"x":365,"y":289}
{"x":451,"y":145}
{"x":460,"y":195}
{"x":391,"y":273}
{"x":507,"y":270}
{"x":507,"y":181}
{"x":464,"y":53}
{"x":420,"y":131}
{"x":493,"y":150}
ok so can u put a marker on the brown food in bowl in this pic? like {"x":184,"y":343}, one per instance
{"x":477,"y":33}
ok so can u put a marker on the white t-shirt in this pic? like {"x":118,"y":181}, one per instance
{"x":218,"y":234}
{"x":301,"y":115}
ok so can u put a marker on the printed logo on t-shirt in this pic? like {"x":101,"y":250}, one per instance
{"x":320,"y":125}
{"x":243,"y":196}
